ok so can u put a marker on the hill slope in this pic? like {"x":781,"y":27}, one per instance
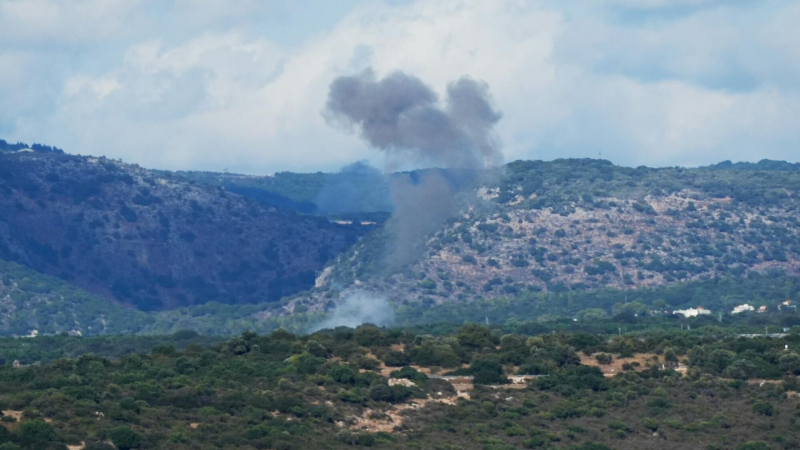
{"x":152,"y":240}
{"x":572,"y":225}
{"x":36,"y":304}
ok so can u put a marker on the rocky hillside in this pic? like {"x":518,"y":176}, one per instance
{"x":152,"y":240}
{"x":573,"y":225}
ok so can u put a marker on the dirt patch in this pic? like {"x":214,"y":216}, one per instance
{"x":759,"y":382}
{"x":80,"y":446}
{"x":401,"y":382}
{"x":394,"y":416}
{"x":517,"y":382}
{"x":386,"y":421}
{"x":645,"y":361}
{"x":11,"y":413}
{"x":17,"y":415}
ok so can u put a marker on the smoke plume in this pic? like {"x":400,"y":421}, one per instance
{"x":403,"y":117}
{"x":359,"y":307}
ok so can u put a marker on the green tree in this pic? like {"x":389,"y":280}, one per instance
{"x":124,"y":438}
{"x":475,"y":336}
{"x":36,"y":432}
{"x":603,"y":358}
{"x":591,"y":314}
{"x":754,"y":445}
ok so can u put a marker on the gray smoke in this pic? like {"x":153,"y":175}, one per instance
{"x":423,"y":202}
{"x":403,"y":117}
{"x":357,"y":187}
{"x":359,"y":307}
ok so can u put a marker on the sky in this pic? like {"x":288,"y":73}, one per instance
{"x":241,"y":84}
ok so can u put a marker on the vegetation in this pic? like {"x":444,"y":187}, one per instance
{"x":20,"y":146}
{"x":371,"y":387}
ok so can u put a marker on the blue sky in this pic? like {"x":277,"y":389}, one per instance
{"x":240,"y":84}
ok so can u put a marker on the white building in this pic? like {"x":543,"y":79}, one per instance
{"x":742,"y":308}
{"x":692,"y":312}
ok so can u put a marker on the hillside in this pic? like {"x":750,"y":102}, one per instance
{"x":36,"y":304}
{"x":540,"y":239}
{"x":577,"y":225}
{"x":152,"y":240}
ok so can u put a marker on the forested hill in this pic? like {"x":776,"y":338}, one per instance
{"x":576,"y":225}
{"x":539,"y":233}
{"x":8,"y":147}
{"x":153,"y":240}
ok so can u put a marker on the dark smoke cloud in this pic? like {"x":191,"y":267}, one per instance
{"x":400,"y":114}
{"x":403,"y":117}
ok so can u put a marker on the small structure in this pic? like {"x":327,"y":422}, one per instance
{"x":762,"y":309}
{"x":692,"y":312}
{"x":786,"y":304}
{"x":742,"y":308}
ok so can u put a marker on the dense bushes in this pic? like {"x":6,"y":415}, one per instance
{"x":290,"y":391}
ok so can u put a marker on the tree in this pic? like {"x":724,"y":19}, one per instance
{"x":790,"y":362}
{"x":591,"y":314}
{"x":669,"y":356}
{"x":433,"y":353}
{"x":368,"y":335}
{"x":36,"y":432}
{"x":603,"y":358}
{"x":342,"y":374}
{"x":764,"y":408}
{"x":124,"y":438}
{"x":98,"y":446}
{"x":487,"y":371}
{"x":475,"y":336}
{"x":754,"y":445}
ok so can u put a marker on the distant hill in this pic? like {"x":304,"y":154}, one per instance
{"x":763,"y":165}
{"x":153,"y":240}
{"x":223,"y":253}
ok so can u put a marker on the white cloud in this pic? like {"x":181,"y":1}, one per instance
{"x":686,"y":89}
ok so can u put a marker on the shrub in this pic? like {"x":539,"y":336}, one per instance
{"x":754,"y":445}
{"x":650,"y":424}
{"x":342,"y":374}
{"x":351,"y":396}
{"x":124,"y":438}
{"x":603,"y":358}
{"x":408,"y":373}
{"x":36,"y":431}
{"x":764,"y":408}
{"x":98,"y":446}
